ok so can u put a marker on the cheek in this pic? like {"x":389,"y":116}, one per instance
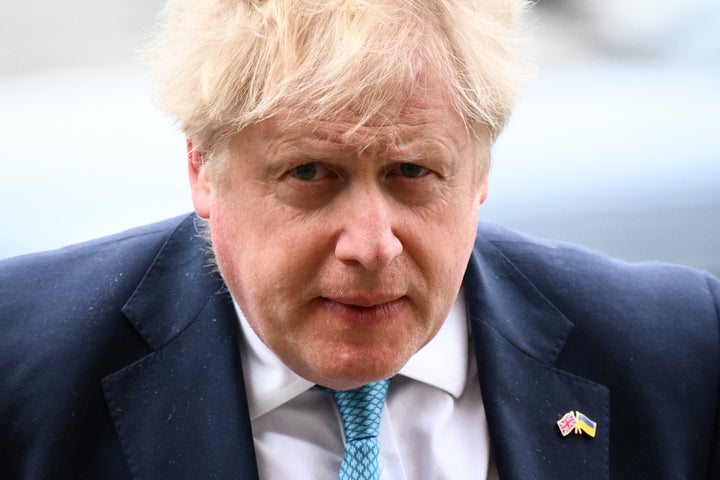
{"x":238,"y":261}
{"x":235,"y":247}
{"x":453,"y":227}
{"x":455,"y":231}
{"x":266,"y":259}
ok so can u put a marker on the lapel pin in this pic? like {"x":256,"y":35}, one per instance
{"x":576,"y":422}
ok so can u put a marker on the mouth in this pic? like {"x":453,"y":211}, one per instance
{"x":364,"y":311}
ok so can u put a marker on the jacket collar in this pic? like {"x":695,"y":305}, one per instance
{"x":518,"y":336}
{"x":181,"y":411}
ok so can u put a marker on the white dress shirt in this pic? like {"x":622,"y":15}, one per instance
{"x":433,"y":424}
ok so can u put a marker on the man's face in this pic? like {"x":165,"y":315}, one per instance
{"x":346,"y":254}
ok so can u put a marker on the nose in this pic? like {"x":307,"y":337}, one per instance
{"x":367,"y":235}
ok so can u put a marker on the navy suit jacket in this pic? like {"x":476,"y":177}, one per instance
{"x":119,"y":359}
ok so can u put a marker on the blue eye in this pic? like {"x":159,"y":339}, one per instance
{"x":411,"y":170}
{"x":306,"y":172}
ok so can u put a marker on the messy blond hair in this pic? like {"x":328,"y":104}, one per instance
{"x":224,"y":65}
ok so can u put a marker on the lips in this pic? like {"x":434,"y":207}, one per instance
{"x":364,"y":301}
{"x":364,"y":310}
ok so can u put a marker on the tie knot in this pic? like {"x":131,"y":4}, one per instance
{"x":361,"y":409}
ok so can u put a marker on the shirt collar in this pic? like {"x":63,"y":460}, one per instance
{"x":441,"y":363}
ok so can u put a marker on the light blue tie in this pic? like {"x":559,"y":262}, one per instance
{"x":361,"y":411}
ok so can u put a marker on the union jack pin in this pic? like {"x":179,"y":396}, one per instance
{"x":576,"y":422}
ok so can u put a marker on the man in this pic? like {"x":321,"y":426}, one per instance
{"x":338,"y":156}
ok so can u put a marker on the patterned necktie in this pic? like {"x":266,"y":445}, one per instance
{"x":361,"y":411}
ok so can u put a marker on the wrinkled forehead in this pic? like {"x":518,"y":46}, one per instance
{"x":418,"y":107}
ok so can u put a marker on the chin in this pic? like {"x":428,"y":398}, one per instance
{"x":358,"y":368}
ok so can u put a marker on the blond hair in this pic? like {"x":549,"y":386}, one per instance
{"x":226,"y":64}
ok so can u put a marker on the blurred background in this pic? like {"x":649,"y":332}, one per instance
{"x":615,"y":144}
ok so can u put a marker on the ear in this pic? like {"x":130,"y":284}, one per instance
{"x":200,"y":187}
{"x":483,"y":191}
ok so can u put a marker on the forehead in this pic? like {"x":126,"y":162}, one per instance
{"x":423,"y":114}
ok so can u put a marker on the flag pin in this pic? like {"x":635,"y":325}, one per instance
{"x":576,"y":422}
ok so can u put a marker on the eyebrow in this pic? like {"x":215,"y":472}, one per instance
{"x":417,"y":149}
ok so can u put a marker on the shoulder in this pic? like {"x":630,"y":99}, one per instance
{"x":647,"y":306}
{"x":144,"y":237}
{"x":649,"y":312}
{"x":110,"y":258}
{"x":63,"y":330}
{"x":557,"y":267}
{"x":648,"y":332}
{"x":59,"y":303}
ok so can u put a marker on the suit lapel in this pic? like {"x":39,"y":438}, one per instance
{"x":518,"y":335}
{"x":181,"y":411}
